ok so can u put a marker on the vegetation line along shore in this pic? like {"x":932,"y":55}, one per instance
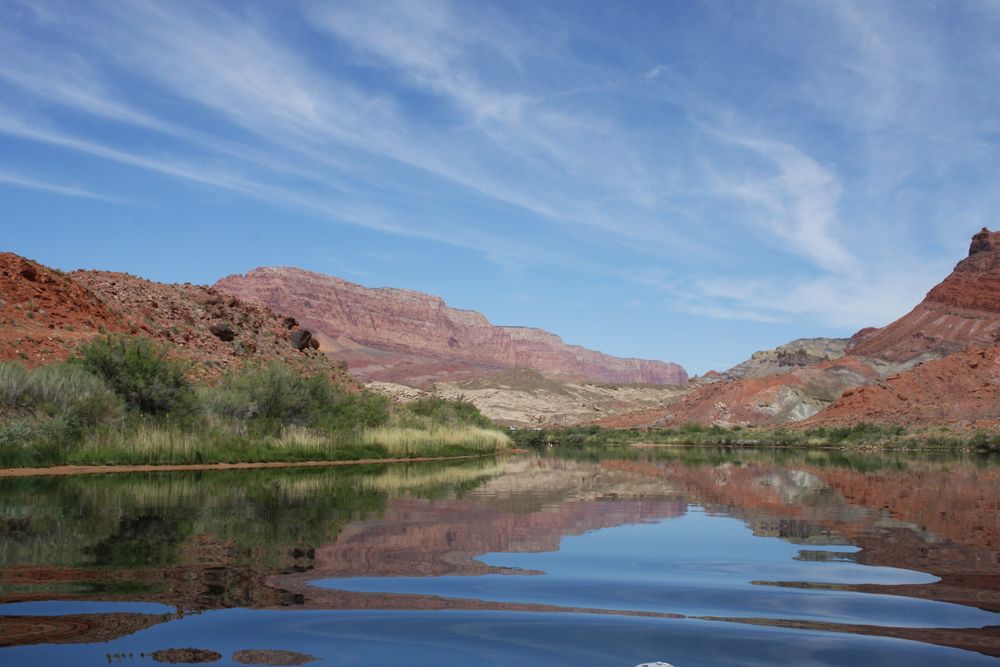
{"x":61,"y":470}
{"x":124,"y":401}
{"x":861,"y":435}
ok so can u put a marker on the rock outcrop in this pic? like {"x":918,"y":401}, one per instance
{"x":413,"y":338}
{"x":788,"y":357}
{"x":962,"y":388}
{"x":935,"y":365}
{"x":770,"y":400}
{"x":216,"y":330}
{"x":46,"y":314}
{"x":962,"y":311}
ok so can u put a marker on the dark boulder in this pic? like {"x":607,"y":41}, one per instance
{"x":290,"y":323}
{"x":223,"y":331}
{"x":301,"y":338}
{"x":28,"y":272}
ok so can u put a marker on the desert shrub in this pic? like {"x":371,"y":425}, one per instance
{"x":15,"y":434}
{"x":75,"y":394}
{"x":447,"y":411}
{"x":272,"y":393}
{"x":47,"y":413}
{"x":862,"y":432}
{"x":141,"y":373}
{"x":356,"y":411}
{"x":53,"y":405}
{"x":272,"y":397}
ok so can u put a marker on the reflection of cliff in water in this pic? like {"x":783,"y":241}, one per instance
{"x":256,"y":539}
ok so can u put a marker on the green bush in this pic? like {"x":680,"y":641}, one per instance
{"x":67,"y":398}
{"x":356,"y":411}
{"x":74,"y":393}
{"x":446,"y":411}
{"x":141,"y":373}
{"x":273,"y":397}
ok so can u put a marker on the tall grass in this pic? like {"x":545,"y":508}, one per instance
{"x":401,"y":441}
{"x":61,"y":389}
{"x":45,"y":412}
{"x":159,"y":442}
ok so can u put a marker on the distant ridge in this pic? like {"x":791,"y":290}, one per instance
{"x":410,"y":337}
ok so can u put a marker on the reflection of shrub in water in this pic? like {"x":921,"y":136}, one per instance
{"x":431,"y":479}
{"x":256,"y":517}
{"x":140,"y":540}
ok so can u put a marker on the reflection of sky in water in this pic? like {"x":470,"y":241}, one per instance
{"x":500,"y":639}
{"x":697,"y":564}
{"x":64,"y":607}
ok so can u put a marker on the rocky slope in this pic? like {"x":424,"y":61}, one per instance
{"x":962,"y":388}
{"x":934,"y":365}
{"x":413,"y":338}
{"x":762,"y":401}
{"x":962,"y":311}
{"x":525,"y":398}
{"x":788,"y":357}
{"x":45,"y":315}
{"x":215,"y":330}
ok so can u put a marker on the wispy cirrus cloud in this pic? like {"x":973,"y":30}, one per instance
{"x":815,"y":146}
{"x":31,"y":183}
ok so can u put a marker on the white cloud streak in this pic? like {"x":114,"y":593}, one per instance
{"x":267,"y":119}
{"x":30,"y":183}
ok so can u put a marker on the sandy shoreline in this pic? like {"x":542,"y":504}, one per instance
{"x":97,"y":470}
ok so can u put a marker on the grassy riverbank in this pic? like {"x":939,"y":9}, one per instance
{"x":856,"y":436}
{"x":124,"y":401}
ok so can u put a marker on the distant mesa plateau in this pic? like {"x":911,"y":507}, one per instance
{"x":415,"y":339}
{"x":938,"y":365}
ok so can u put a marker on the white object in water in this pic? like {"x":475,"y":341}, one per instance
{"x":655,"y":664}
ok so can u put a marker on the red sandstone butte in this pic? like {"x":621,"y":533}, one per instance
{"x":947,"y":350}
{"x":415,"y":338}
{"x":962,"y":311}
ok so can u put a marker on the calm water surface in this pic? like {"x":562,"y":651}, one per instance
{"x":613,"y":557}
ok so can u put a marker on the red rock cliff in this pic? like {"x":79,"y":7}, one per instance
{"x":402,"y":335}
{"x":962,"y":311}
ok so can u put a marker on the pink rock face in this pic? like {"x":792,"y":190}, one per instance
{"x":961,"y":311}
{"x":405,"y":336}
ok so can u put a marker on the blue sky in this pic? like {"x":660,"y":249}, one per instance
{"x":675,"y":180}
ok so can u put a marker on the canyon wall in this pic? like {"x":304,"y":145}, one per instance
{"x":414,"y":338}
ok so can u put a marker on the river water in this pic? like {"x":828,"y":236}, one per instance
{"x":603,"y":556}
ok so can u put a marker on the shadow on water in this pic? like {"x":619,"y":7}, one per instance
{"x":784,"y":555}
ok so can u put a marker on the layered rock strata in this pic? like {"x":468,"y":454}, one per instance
{"x":960,"y":312}
{"x":414,"y":338}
